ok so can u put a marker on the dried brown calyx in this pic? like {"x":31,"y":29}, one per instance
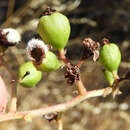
{"x":37,"y":54}
{"x":51,"y":116}
{"x":105,"y":41}
{"x":49,"y":11}
{"x":72,"y":74}
{"x":91,"y":48}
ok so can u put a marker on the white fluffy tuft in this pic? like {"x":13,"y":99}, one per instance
{"x":33,"y":43}
{"x":12,"y":36}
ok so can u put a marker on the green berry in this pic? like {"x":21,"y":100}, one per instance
{"x":109,"y":77}
{"x":54,"y":29}
{"x":49,"y":63}
{"x":29,"y":75}
{"x":110,"y":57}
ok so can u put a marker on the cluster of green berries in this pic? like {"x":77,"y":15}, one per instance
{"x":54,"y":29}
{"x":110,"y":57}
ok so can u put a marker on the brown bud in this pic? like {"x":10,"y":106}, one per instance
{"x":72,"y":74}
{"x":49,"y":11}
{"x":91,"y":48}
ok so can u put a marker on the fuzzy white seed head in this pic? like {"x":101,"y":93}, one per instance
{"x":36,"y":43}
{"x":13,"y":36}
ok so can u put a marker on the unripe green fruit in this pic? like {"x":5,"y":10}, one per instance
{"x":54,"y":29}
{"x":109,"y":77}
{"x":49,"y":63}
{"x":30,"y":79}
{"x":110,"y":57}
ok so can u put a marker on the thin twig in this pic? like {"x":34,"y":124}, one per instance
{"x":56,"y":108}
{"x":19,"y":13}
{"x":64,"y":58}
{"x":11,"y":5}
{"x":59,"y":122}
{"x":125,"y":64}
{"x":13,"y":102}
{"x":84,"y":20}
{"x":79,"y":83}
{"x":115,"y":85}
{"x":81,"y":87}
{"x":80,"y":63}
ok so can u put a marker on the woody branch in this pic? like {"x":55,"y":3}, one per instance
{"x":56,"y":108}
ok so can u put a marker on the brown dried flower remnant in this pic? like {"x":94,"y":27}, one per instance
{"x":49,"y":11}
{"x":3,"y":40}
{"x":9,"y":37}
{"x":72,"y":74}
{"x":51,"y":116}
{"x":105,"y":41}
{"x":91,"y":48}
{"x":36,"y":50}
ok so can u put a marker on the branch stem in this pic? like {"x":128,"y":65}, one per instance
{"x":64,"y":58}
{"x":59,"y":122}
{"x":56,"y":108}
{"x":81,"y":87}
{"x":80,"y":63}
{"x":13,"y":102}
